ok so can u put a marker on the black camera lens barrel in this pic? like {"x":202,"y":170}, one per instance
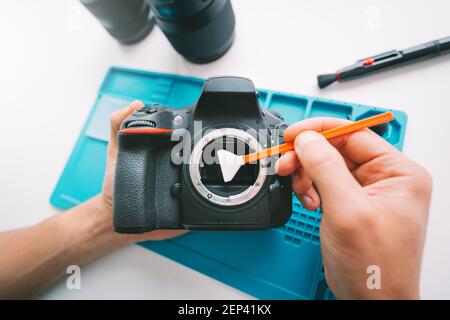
{"x":128,"y":21}
{"x":199,"y":30}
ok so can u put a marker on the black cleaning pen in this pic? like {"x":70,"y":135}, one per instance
{"x":387,"y":60}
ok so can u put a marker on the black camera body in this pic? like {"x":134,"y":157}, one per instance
{"x":168,"y":176}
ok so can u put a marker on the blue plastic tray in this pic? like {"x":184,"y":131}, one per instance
{"x":282,"y":263}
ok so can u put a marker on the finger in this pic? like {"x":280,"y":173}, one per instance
{"x":350,"y":164}
{"x":154,"y":235}
{"x":327,"y":169}
{"x":303,"y":188}
{"x":287,"y":164}
{"x":358,"y":147}
{"x":162,"y":234}
{"x":301,"y":182}
{"x":117,"y":117}
{"x":310,"y":199}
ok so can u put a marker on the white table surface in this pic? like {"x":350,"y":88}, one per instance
{"x":54,"y":56}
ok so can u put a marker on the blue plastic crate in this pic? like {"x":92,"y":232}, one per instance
{"x":281,"y":263}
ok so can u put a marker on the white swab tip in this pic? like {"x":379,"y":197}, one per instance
{"x":229,"y":164}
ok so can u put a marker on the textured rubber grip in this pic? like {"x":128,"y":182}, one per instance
{"x":142,"y":200}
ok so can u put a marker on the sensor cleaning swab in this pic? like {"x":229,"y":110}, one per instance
{"x":231,"y":163}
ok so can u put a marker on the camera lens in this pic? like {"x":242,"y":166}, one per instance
{"x":210,"y":172}
{"x":129,"y":21}
{"x":200,"y":30}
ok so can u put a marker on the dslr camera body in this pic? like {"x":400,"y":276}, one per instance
{"x":168,"y":175}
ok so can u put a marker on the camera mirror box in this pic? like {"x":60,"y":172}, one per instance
{"x":280,"y":263}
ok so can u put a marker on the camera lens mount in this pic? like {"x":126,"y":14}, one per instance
{"x":196,"y":162}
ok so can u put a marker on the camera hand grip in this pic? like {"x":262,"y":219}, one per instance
{"x":136,"y":202}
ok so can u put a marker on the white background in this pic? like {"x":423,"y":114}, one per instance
{"x":54,"y":55}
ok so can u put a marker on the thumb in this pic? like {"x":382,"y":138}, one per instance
{"x":327,"y":169}
{"x":117,"y":117}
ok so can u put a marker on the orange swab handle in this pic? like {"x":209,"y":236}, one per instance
{"x":328,"y":134}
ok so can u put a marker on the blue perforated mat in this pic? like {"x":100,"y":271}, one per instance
{"x":282,"y":263}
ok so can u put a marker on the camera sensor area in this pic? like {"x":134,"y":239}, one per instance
{"x":210,"y":172}
{"x":206,"y":175}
